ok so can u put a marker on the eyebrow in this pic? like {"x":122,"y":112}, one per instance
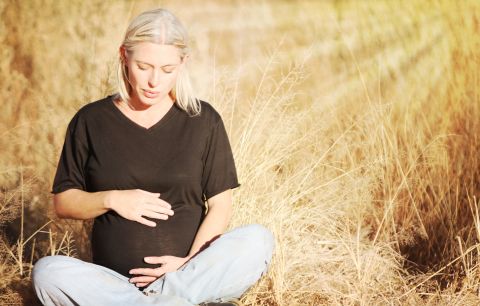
{"x":148,"y":64}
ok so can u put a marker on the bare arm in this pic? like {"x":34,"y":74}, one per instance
{"x":216,"y":220}
{"x":79,"y":204}
{"x":131,"y":204}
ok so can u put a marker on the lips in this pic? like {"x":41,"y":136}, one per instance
{"x":150,"y":94}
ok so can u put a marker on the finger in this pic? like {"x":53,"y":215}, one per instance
{"x":142,"y":279}
{"x":154,"y":194}
{"x":146,"y":222}
{"x":160,"y":260}
{"x":155,"y":215}
{"x":161,"y":210}
{"x":141,"y":284}
{"x":161,"y":203}
{"x":145,"y":272}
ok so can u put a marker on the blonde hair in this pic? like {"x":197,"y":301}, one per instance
{"x":159,"y":26}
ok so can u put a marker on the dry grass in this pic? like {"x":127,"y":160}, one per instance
{"x":354,"y":126}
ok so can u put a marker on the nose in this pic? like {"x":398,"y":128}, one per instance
{"x":154,"y":79}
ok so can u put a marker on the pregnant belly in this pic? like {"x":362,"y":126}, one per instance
{"x":121,"y":244}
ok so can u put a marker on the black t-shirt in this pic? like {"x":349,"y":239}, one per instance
{"x":186,"y":159}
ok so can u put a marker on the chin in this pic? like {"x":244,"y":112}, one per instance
{"x":148,"y":101}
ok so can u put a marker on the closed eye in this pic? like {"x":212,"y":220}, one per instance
{"x":168,"y":69}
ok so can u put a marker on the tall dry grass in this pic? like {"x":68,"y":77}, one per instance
{"x":353,"y":124}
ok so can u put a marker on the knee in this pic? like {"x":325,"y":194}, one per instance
{"x":257,"y":233}
{"x":46,"y":269}
{"x":259,"y":238}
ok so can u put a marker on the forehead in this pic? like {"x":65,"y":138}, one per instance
{"x":155,"y":54}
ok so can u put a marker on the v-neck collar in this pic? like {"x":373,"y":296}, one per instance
{"x":174,"y":109}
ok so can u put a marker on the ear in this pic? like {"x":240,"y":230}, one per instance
{"x":123,"y":54}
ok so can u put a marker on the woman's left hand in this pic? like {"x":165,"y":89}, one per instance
{"x":145,"y":276}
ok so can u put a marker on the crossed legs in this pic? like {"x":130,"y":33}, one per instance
{"x":224,"y":270}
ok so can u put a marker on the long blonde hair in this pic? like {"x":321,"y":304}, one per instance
{"x":159,"y":26}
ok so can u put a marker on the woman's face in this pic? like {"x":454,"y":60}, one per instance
{"x":152,"y":72}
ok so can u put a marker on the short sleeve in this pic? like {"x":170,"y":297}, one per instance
{"x":70,"y":172}
{"x":219,"y":173}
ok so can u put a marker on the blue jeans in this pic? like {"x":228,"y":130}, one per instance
{"x":223,"y":271}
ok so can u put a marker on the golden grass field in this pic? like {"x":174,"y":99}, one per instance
{"x":354,"y":125}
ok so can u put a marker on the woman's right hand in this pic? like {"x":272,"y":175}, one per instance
{"x":136,"y":204}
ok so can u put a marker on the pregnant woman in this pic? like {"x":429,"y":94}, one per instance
{"x":153,"y":166}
